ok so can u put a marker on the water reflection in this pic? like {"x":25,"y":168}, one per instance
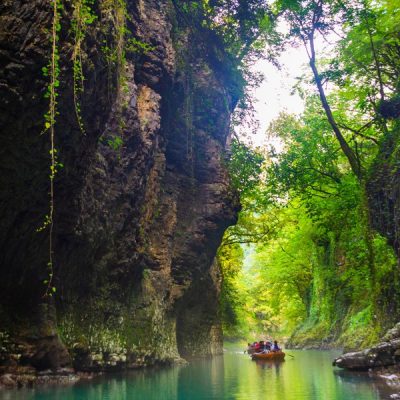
{"x":307,"y":376}
{"x":270,"y":364}
{"x":382,"y":388}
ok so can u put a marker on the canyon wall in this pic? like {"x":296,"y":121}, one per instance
{"x":142,"y":197}
{"x":384,"y":189}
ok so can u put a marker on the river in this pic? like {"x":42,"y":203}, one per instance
{"x":308,"y":375}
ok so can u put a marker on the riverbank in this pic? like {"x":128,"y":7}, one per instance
{"x":16,"y":377}
{"x":28,"y":377}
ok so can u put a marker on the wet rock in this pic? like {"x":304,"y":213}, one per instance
{"x":46,"y":353}
{"x":382,"y":355}
{"x":393,"y":333}
{"x":7,"y":381}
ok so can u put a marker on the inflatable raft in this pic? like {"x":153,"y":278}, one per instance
{"x":272,"y":355}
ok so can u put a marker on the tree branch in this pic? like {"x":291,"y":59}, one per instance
{"x":347,"y":150}
{"x":326,"y":174}
{"x":358,"y":131}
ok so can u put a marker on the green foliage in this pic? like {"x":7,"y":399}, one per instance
{"x":233,"y":294}
{"x":115,"y":143}
{"x":363,"y":64}
{"x":310,"y":163}
{"x":244,"y":166}
{"x":314,"y":269}
{"x":244,"y":26}
{"x":310,"y":275}
{"x":134,"y":45}
{"x":369,"y":52}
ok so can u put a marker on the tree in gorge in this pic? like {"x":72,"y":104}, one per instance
{"x":307,"y":270}
{"x":324,"y":241}
{"x":310,"y":265}
{"x":364,"y":69}
{"x":365,"y":65}
{"x":306,"y":19}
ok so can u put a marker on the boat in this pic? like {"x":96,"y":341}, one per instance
{"x":271,"y":356}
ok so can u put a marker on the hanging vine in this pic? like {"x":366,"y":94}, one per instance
{"x":113,"y":46}
{"x":52,"y":70}
{"x":82,"y":17}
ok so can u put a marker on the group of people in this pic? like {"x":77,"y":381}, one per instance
{"x":262,"y":347}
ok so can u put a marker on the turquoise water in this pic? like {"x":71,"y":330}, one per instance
{"x":307,"y":376}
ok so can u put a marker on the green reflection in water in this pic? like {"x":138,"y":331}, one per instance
{"x":307,"y":376}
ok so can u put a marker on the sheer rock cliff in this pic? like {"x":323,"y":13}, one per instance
{"x":142,"y":197}
{"x":384,"y":189}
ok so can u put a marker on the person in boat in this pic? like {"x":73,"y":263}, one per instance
{"x":267,"y":346}
{"x":275,"y":346}
{"x":262,"y":347}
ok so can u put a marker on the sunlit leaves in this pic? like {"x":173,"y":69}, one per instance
{"x":308,"y":166}
{"x":317,"y":261}
{"x":244,"y":167}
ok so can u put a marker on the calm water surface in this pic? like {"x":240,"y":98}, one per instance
{"x":307,"y":376}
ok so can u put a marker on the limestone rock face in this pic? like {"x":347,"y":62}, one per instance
{"x":383,"y":354}
{"x":141,"y":202}
{"x":384,"y":190}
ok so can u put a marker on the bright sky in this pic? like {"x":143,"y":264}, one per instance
{"x":274,"y":94}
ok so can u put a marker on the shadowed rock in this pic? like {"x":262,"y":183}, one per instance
{"x":142,"y":201}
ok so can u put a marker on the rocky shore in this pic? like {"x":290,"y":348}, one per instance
{"x":383,"y":355}
{"x":381,"y":361}
{"x":25,"y":377}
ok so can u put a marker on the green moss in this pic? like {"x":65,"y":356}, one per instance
{"x":105,"y":326}
{"x":359,"y":329}
{"x":311,"y":334}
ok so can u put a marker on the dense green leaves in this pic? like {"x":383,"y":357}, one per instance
{"x":312,"y":266}
{"x":244,"y":166}
{"x":311,"y":161}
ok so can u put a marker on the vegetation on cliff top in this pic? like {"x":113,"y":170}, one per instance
{"x":303,"y":260}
